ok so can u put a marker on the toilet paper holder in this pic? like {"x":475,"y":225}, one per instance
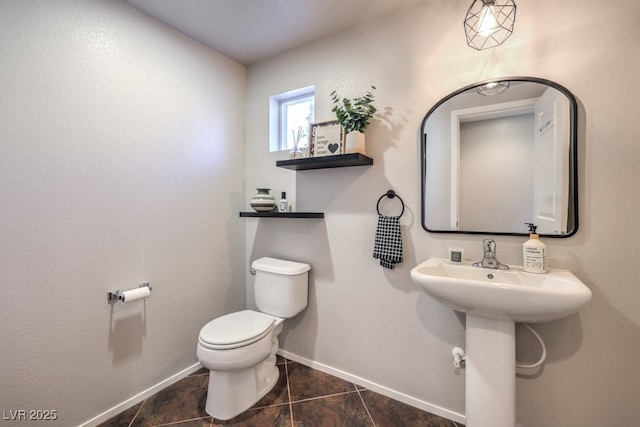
{"x":118,"y":296}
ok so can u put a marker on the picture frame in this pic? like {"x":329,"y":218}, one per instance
{"x":326,"y":138}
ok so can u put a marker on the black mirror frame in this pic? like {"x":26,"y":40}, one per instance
{"x":573,"y":156}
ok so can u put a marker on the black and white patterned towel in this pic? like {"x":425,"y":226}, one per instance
{"x":388,"y":245}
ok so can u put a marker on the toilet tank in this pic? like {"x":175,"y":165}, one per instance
{"x":281,"y":288}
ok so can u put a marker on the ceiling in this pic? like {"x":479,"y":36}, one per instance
{"x":249,"y":31}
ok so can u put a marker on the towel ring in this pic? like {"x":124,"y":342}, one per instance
{"x":390,"y":194}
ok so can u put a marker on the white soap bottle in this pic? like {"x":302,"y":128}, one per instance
{"x":534,"y":253}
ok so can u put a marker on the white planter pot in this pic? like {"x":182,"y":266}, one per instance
{"x":354,"y":143}
{"x":263,"y":201}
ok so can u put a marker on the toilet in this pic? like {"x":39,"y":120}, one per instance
{"x":240,"y":348}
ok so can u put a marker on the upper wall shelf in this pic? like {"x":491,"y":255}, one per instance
{"x":338,"y":161}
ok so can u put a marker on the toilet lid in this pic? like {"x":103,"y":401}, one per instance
{"x":236,"y":329}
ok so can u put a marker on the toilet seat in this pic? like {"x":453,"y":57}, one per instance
{"x":235,"y":330}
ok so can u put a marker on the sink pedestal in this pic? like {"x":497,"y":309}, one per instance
{"x":490,"y":372}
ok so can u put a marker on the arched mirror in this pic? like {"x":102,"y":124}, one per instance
{"x":499,"y":154}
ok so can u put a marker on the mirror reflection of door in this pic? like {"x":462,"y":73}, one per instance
{"x":551,"y":179}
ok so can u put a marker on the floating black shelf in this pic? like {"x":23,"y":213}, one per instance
{"x":338,"y":161}
{"x":282,"y":214}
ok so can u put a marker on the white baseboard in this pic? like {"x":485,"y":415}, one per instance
{"x":121,"y":407}
{"x":385,"y":391}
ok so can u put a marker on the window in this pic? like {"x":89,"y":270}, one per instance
{"x":290,"y":112}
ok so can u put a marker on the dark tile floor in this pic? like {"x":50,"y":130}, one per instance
{"x":303,"y":397}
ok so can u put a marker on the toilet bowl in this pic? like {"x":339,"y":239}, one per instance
{"x":240,"y":348}
{"x":242,"y":372}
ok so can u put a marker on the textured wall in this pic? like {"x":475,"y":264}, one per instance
{"x":375,"y":324}
{"x":121,"y":161}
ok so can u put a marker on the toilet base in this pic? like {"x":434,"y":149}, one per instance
{"x":231,"y":393}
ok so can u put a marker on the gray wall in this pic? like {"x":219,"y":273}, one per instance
{"x":121,"y":161}
{"x":496,"y":173}
{"x":374,"y":325}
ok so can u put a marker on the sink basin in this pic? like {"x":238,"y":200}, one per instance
{"x":502,"y":294}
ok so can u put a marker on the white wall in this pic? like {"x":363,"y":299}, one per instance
{"x":121,"y":161}
{"x":375,"y":324}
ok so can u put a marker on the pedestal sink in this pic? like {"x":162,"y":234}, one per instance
{"x":493,"y":301}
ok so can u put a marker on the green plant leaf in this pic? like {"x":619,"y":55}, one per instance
{"x":354,"y":114}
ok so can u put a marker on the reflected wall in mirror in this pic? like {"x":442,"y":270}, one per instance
{"x":496,"y":155}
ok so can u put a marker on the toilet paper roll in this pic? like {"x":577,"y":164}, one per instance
{"x":135,"y":294}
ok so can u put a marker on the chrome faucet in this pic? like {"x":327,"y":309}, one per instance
{"x":489,"y":259}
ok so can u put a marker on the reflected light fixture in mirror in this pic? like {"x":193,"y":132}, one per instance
{"x":493,"y":88}
{"x":488,"y":24}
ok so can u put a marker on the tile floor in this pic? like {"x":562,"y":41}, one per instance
{"x":303,"y":397}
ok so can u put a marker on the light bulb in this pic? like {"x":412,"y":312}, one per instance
{"x":488,"y":23}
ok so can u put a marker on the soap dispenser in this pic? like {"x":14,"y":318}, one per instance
{"x":534,"y":252}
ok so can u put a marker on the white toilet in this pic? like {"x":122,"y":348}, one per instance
{"x":240,"y":348}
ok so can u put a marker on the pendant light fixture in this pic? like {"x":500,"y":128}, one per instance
{"x":488,"y":24}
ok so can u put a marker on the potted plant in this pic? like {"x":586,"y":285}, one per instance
{"x":354,"y":115}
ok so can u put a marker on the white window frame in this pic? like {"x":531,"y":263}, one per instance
{"x":278,"y":115}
